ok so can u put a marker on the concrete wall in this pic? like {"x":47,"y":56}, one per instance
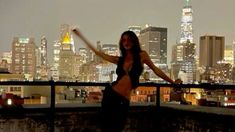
{"x":141,"y":119}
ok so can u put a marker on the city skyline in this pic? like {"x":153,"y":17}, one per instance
{"x":43,"y":18}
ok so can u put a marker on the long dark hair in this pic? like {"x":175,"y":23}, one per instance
{"x":135,"y":44}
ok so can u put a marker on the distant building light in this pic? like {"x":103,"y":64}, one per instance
{"x":229,"y":104}
{"x":137,"y":92}
{"x":9,"y":101}
{"x":24,"y":40}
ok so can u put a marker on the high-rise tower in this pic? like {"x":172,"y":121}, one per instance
{"x":183,"y":53}
{"x":186,"y":24}
{"x":56,"y":60}
{"x":24,"y":57}
{"x":66,"y":55}
{"x":211,"y":50}
{"x":154,"y":41}
{"x":44,"y":62}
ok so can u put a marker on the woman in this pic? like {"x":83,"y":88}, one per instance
{"x":116,"y":98}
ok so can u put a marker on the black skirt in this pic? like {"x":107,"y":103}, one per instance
{"x":114,"y":111}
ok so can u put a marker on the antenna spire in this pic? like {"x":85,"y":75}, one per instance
{"x":187,"y":2}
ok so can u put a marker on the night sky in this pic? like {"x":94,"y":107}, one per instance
{"x":105,"y":20}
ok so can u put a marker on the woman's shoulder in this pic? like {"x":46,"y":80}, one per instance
{"x":143,"y":53}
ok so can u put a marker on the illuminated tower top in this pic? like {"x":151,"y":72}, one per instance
{"x":66,"y":39}
{"x":187,"y":2}
{"x":186,"y":24}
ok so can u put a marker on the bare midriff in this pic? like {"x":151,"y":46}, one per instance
{"x":123,"y":86}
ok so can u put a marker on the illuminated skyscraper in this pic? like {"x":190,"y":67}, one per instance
{"x":43,"y":51}
{"x":38,"y":63}
{"x":24,"y":57}
{"x":98,"y":59}
{"x":6,"y":59}
{"x":43,"y":58}
{"x":228,"y":54}
{"x":184,"y":53}
{"x":154,"y":41}
{"x":66,"y":58}
{"x":66,"y":37}
{"x":186,"y":24}
{"x":56,"y":58}
{"x":233,"y":71}
{"x":84,"y":54}
{"x":233,"y":45}
{"x":183,"y":59}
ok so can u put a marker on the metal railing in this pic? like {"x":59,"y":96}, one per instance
{"x":158,"y":86}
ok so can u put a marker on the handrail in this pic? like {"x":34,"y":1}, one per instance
{"x":158,"y":86}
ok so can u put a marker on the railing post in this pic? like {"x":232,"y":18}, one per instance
{"x":158,"y":97}
{"x":52,"y":107}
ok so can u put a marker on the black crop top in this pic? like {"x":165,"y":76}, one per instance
{"x":134,"y":72}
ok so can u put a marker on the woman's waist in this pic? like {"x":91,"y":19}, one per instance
{"x":122,"y":88}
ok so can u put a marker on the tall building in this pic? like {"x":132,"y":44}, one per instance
{"x":84,"y":54}
{"x":66,"y":58}
{"x":38,"y":63}
{"x":184,"y":61}
{"x":77,"y":64}
{"x":211,"y":50}
{"x":6,"y":60}
{"x":186,"y":24}
{"x":43,"y":51}
{"x":154,"y":41}
{"x":66,"y":37}
{"x":42,"y":63}
{"x":228,"y":54}
{"x":56,"y":59}
{"x":233,"y":46}
{"x":23,"y":57}
{"x":135,"y":29}
{"x":183,"y":64}
{"x":110,"y":49}
{"x":98,"y":59}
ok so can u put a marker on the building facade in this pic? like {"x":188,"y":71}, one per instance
{"x":66,"y":59}
{"x":24,"y":57}
{"x":211,"y":50}
{"x":154,"y":41}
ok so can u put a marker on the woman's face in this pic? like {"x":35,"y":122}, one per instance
{"x":126,"y":41}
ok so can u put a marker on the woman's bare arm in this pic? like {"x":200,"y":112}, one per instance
{"x":157,"y":71}
{"x":112,"y":59}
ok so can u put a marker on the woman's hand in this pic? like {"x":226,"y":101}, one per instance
{"x":113,"y":59}
{"x":76,"y":31}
